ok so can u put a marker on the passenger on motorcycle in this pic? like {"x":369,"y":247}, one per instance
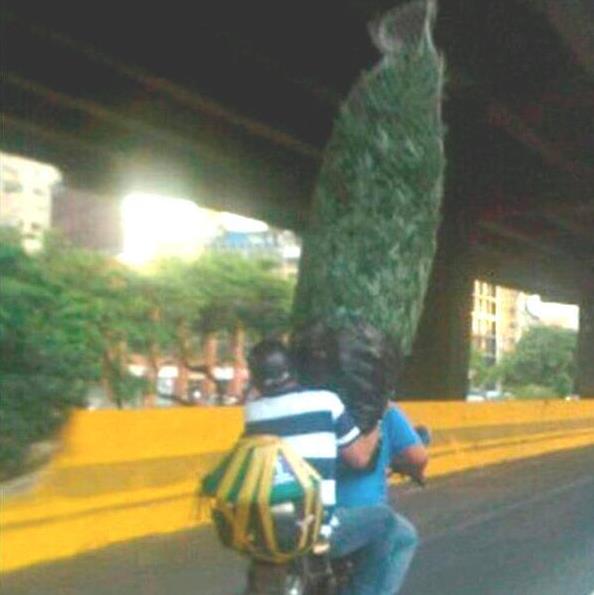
{"x":363,"y":366}
{"x":401,"y":449}
{"x":317,"y":425}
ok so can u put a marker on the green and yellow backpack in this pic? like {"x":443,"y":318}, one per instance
{"x":265,"y":500}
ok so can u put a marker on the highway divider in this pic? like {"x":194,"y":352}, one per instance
{"x":121,"y":475}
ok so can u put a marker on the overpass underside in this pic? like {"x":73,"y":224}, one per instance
{"x":235,"y":109}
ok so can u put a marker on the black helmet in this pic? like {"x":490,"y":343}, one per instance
{"x":270,"y":365}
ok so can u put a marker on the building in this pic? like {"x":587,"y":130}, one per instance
{"x":88,"y":220}
{"x":156,"y":226}
{"x":499,"y":317}
{"x":33,"y":200}
{"x":281,"y":246}
{"x":26,"y":196}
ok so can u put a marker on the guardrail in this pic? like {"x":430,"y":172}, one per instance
{"x":120,"y":475}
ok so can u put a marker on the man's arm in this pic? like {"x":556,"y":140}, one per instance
{"x":358,"y":453}
{"x":412,"y":462}
{"x":408,"y":455}
{"x":355,"y":448}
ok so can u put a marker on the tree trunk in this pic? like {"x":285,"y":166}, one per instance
{"x":113,"y":370}
{"x":120,"y":367}
{"x":106,"y":377}
{"x":152,"y":365}
{"x":183,"y":357}
{"x":152,"y":376}
{"x":237,"y":383}
{"x":210,"y":348}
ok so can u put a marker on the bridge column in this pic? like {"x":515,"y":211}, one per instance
{"x":585,"y":350}
{"x":438,"y":365}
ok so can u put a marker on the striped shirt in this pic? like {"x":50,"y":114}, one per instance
{"x":315,"y":424}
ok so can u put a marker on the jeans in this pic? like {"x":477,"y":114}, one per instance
{"x":385,"y":543}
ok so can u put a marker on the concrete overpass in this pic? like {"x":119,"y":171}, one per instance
{"x":233,"y":108}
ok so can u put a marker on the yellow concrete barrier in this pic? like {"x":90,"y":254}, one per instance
{"x":118,"y":475}
{"x":467,"y":435}
{"x":121,"y":475}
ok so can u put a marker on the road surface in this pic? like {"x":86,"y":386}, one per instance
{"x":525,"y":528}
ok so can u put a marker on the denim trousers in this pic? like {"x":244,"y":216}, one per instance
{"x":384,"y":542}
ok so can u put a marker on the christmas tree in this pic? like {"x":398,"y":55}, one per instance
{"x":368,"y":251}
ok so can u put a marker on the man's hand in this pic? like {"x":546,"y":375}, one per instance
{"x":359,"y":453}
{"x":411,"y":462}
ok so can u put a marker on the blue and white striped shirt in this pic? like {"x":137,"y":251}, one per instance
{"x":314,"y":423}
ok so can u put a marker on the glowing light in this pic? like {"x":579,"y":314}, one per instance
{"x":156,"y":226}
{"x":238,"y":223}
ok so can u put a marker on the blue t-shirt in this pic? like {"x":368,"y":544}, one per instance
{"x":366,"y":488}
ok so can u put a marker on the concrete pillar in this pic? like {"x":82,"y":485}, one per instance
{"x":438,"y":365}
{"x":585,"y":350}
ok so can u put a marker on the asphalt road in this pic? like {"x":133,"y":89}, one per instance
{"x":525,"y":528}
{"x":522,"y":529}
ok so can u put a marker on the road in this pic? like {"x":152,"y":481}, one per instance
{"x":525,"y":528}
{"x":522,"y":529}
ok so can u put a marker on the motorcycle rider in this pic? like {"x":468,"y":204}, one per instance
{"x":317,"y":425}
{"x":363,"y":366}
{"x":401,"y":450}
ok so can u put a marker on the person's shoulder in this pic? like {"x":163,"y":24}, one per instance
{"x":394,"y":417}
{"x":398,"y":428}
{"x":254,"y":408}
{"x":326,"y":399}
{"x":328,"y":395}
{"x":393,"y":412}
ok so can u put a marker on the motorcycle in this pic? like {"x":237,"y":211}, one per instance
{"x":312,"y":574}
{"x":316,"y":573}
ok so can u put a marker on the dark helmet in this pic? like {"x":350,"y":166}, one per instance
{"x":270,"y":365}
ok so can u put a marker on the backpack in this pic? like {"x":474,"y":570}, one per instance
{"x":265,"y":500}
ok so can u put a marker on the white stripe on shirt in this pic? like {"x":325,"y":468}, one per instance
{"x":286,"y":405}
{"x":348,"y":438}
{"x":317,"y":445}
{"x":328,"y":492}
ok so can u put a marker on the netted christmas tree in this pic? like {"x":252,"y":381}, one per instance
{"x":369,"y":248}
{"x":368,"y":251}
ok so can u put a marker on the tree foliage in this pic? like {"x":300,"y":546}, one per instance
{"x":46,"y":353}
{"x":243,"y":291}
{"x":70,"y":318}
{"x":482,"y":373}
{"x":103,"y":296}
{"x":544,"y":358}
